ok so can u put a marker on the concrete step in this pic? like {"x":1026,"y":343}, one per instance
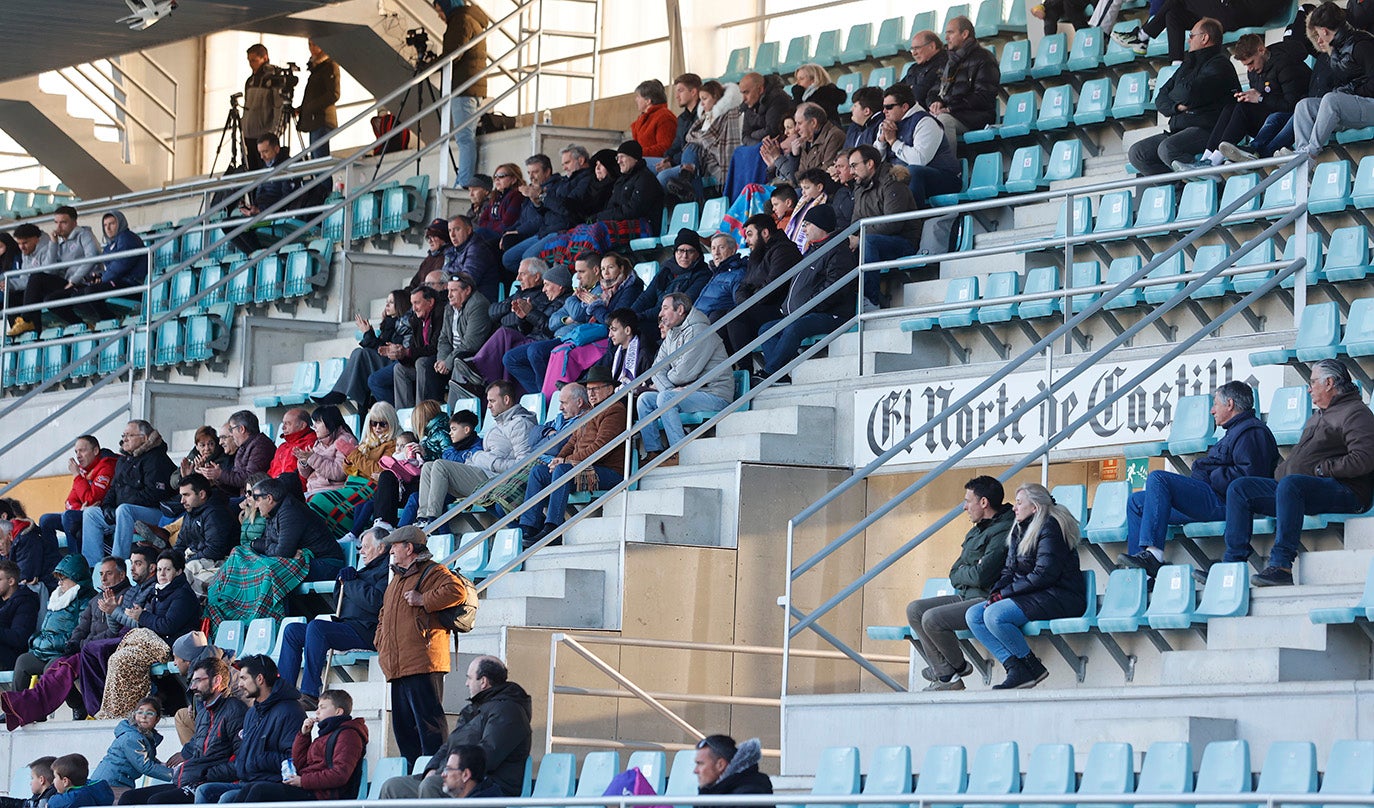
{"x":1259,"y":666}
{"x":1145,"y":730}
{"x":776,"y":435}
{"x":569,"y":598}
{"x":884,"y":336}
{"x":1285,"y":631}
{"x":678,"y":515}
{"x":826,"y":368}
{"x":1359,"y":533}
{"x":1299,"y":600}
{"x":1333,"y":566}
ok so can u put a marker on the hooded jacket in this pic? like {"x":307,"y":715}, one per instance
{"x":767,"y":262}
{"x":44,"y":253}
{"x":982,"y":555}
{"x":1337,"y":442}
{"x":1205,"y":83}
{"x":669,"y":279}
{"x":80,"y":244}
{"x":350,"y":745}
{"x":882,"y":194}
{"x":171,"y":610}
{"x":64,"y":609}
{"x":636,"y":194}
{"x":706,"y":351}
{"x":1352,"y":61}
{"x":94,"y":792}
{"x":208,"y":756}
{"x":321,"y":93}
{"x":409,"y":641}
{"x":90,"y":484}
{"x":718,"y":133}
{"x":142,"y":477}
{"x":498,"y":720}
{"x":1045,"y":583}
{"x":508,"y":441}
{"x":1248,"y":449}
{"x":210,"y":531}
{"x":361,"y":601}
{"x":133,"y":755}
{"x":269,"y":729}
{"x":128,"y":271}
{"x":742,"y":775}
{"x":764,"y":118}
{"x":18,"y":620}
{"x":292,"y":527}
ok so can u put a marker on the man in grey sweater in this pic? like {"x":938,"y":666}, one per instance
{"x":467,"y":324}
{"x":680,"y":324}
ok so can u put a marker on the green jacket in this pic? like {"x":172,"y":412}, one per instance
{"x":982,"y":556}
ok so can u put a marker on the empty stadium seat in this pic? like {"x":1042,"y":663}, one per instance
{"x":798,"y":54}
{"x":1237,"y":186}
{"x":1066,"y":161}
{"x":985,"y":182}
{"x":1084,"y":274}
{"x":1364,"y":609}
{"x":1362,"y":194}
{"x":1039,"y":280}
{"x":849,"y":82}
{"x":1359,"y":328}
{"x":505,"y":547}
{"x":1288,"y":413}
{"x":387,"y":768}
{"x":1082,"y":218}
{"x":229,"y":636}
{"x":473,"y":560}
{"x":859,"y":45}
{"x":1198,"y":201}
{"x":258,"y":637}
{"x":996,"y":769}
{"x":1225,"y":768}
{"x":1113,"y":212}
{"x":960,"y":290}
{"x":1094,"y":102}
{"x":1347,"y":256}
{"x":1109,"y":769}
{"x":882,"y":77}
{"x":1207,"y":257}
{"x":827,"y":48}
{"x":1118,"y":271}
{"x":766,"y":60}
{"x":889,"y":41}
{"x":837,"y":773}
{"x":1349,"y":768}
{"x":1017,"y":119}
{"x":988,"y":20}
{"x":736,"y":65}
{"x":1132,"y":95}
{"x":1282,"y":194}
{"x":1319,"y":333}
{"x":1051,"y":57}
{"x":1172,"y":603}
{"x":1056,"y":107}
{"x":597,"y":770}
{"x":1168,"y":769}
{"x":1227,"y":593}
{"x":1000,"y":285}
{"x":889,"y":771}
{"x":1107,"y":521}
{"x":1122,"y":608}
{"x":1015,"y":61}
{"x":943,"y":771}
{"x":1172,"y":266}
{"x":1156,"y":207}
{"x":366,"y":217}
{"x":557,"y":775}
{"x":653,"y":765}
{"x":1025,"y":174}
{"x":1330,"y":190}
{"x":1050,"y":770}
{"x":683,"y":215}
{"x":1290,"y":767}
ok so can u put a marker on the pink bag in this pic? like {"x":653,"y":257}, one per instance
{"x":568,"y":362}
{"x":404,"y":472}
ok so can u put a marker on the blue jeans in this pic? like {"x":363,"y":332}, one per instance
{"x":552,"y":511}
{"x":319,"y":147}
{"x":998,"y":627}
{"x":880,"y":247}
{"x":382,"y":383}
{"x":1288,"y":500}
{"x":465,"y":137}
{"x":926,"y":182}
{"x":68,"y":522}
{"x":1275,"y":133}
{"x":515,"y":253}
{"x":670,"y":418}
{"x":407,"y":515}
{"x":784,"y":347}
{"x":526,"y":363}
{"x":217,"y":792}
{"x":94,"y":529}
{"x":1168,"y":499}
{"x":310,"y":642}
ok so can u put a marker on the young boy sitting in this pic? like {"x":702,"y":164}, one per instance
{"x":69,"y":774}
{"x":327,"y":768}
{"x":40,"y":783}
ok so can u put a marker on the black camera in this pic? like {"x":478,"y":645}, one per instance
{"x":286,"y":79}
{"x":418,"y":38}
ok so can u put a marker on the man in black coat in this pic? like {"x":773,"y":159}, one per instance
{"x":18,"y":615}
{"x":766,"y":106}
{"x":141,"y":483}
{"x":724,"y":768}
{"x":209,"y":529}
{"x":770,"y":255}
{"x":1278,"y":77}
{"x":292,"y":526}
{"x":427,"y":311}
{"x":360,"y":601}
{"x":685,"y":272}
{"x":317,"y":115}
{"x":1351,"y":104}
{"x":1192,"y":99}
{"x":923,"y":77}
{"x":966,"y":97}
{"x":809,"y":283}
{"x":636,"y":195}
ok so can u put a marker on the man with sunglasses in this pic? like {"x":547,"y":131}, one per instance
{"x":909,"y":136}
{"x":722,"y":767}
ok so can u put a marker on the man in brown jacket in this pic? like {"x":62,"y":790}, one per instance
{"x":604,"y":428}
{"x":814,"y":145}
{"x":1329,"y":471}
{"x":412,"y":647}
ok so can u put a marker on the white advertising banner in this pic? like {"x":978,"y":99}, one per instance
{"x":884,"y":416}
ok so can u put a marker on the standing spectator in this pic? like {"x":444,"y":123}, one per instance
{"x":865,"y":118}
{"x":813,"y":279}
{"x":966,"y":97}
{"x":1041,"y":581}
{"x":263,"y":104}
{"x":878,"y":193}
{"x":1278,"y":78}
{"x":724,"y":768}
{"x":328,"y":768}
{"x":1192,"y":99}
{"x":686,"y":273}
{"x":716,"y":134}
{"x":1351,"y":104}
{"x":656,"y":126}
{"x":323,"y":465}
{"x":368,"y":358}
{"x":18,"y":615}
{"x":354,"y":627}
{"x":415,"y":357}
{"x":141,"y":483}
{"x":254,"y":455}
{"x":269,"y":729}
{"x":814,"y":144}
{"x":412,"y":647}
{"x":92,"y":470}
{"x":496,"y":720}
{"x":467,"y":326}
{"x":914,"y":138}
{"x":317,"y":116}
{"x":814,"y":86}
{"x":728,"y":268}
{"x":296,"y":437}
{"x":464,"y":22}
{"x":680,"y":326}
{"x":771,"y":254}
{"x":928,"y":65}
{"x":687,"y":94}
{"x":208,"y":532}
{"x":133,"y":754}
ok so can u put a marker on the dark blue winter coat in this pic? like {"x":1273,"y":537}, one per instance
{"x":95,"y":792}
{"x":172,"y":610}
{"x":362,"y":596}
{"x":1248,"y":449}
{"x":128,"y":271}
{"x":18,"y":621}
{"x":269,"y":729}
{"x":1046,"y":582}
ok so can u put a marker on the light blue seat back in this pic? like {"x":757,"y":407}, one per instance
{"x":653,"y":764}
{"x":1114,"y":211}
{"x":1038,"y":280}
{"x":1050,"y":770}
{"x":1227,"y":593}
{"x":837,"y":772}
{"x":258,"y":637}
{"x":996,"y":769}
{"x":1359,"y":328}
{"x":849,"y":82}
{"x":1066,"y":161}
{"x":1238,"y":185}
{"x":1000,"y":285}
{"x":827,"y":48}
{"x":1349,"y":768}
{"x":1288,"y":413}
{"x":1086,"y":51}
{"x":1132,"y":95}
{"x":1192,"y":426}
{"x":1026,"y":169}
{"x":598,"y":769}
{"x":859,"y":44}
{"x":943,"y":771}
{"x":229,"y":636}
{"x":1171,"y":603}
{"x":1172,"y":266}
{"x":1290,"y":767}
{"x":682,"y":781}
{"x":1051,"y":56}
{"x":1262,"y":254}
{"x":1107,"y":521}
{"x":1168,"y":769}
{"x":1225,"y":768}
{"x":1125,"y":599}
{"x":889,"y":771}
{"x":798,"y":54}
{"x":387,"y":768}
{"x":1281,"y":194}
{"x":1330,"y":189}
{"x":985,"y":181}
{"x":882,"y":77}
{"x":1084,"y":273}
{"x":1015,"y":60}
{"x":1019,"y":116}
{"x":1094,"y":102}
{"x":1198,"y":201}
{"x":1156,"y":207}
{"x":1319,"y":333}
{"x":1082,"y":218}
{"x":1347,"y":256}
{"x":961,"y":290}
{"x":1056,"y":108}
{"x":766,"y":60}
{"x":1108,"y":770}
{"x":889,"y":40}
{"x":937,"y":587}
{"x":1363,"y":195}
{"x":557,"y":775}
{"x":1313,"y":251}
{"x":1074,"y":498}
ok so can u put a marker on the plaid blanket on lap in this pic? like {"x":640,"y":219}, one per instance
{"x":249,"y":586}
{"x":599,"y":237}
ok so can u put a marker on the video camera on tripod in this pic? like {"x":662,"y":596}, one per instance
{"x":418,"y":38}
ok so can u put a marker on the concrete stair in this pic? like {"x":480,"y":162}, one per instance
{"x":770,"y":435}
{"x":677,"y":515}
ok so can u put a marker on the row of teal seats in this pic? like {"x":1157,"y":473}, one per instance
{"x":559,"y":778}
{"x":389,"y":209}
{"x":1025,"y":113}
{"x":705,"y":220}
{"x":1027,"y":173}
{"x":38,"y":202}
{"x":1319,"y":335}
{"x":167,"y":253}
{"x":1290,"y":767}
{"x":297,"y":270}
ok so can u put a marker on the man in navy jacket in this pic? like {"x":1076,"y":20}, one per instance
{"x":269,"y":729}
{"x":1247,"y":450}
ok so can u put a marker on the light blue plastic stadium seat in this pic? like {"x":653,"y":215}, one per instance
{"x":1363,"y":193}
{"x":681,"y":780}
{"x":1280,"y":195}
{"x":473,"y":560}
{"x":1108,"y":519}
{"x":1156,"y":207}
{"x":1227,"y":593}
{"x":1051,"y":57}
{"x":1330,"y":191}
{"x":712,"y":214}
{"x":924,"y":21}
{"x":882,"y":77}
{"x":943,"y":771}
{"x":1094,"y":102}
{"x":736,"y":65}
{"x":387,"y":768}
{"x":1017,"y":119}
{"x":1015,"y":61}
{"x":960,"y":290}
{"x":1207,"y":257}
{"x":1168,"y":769}
{"x":1349,"y":768}
{"x":985,"y":182}
{"x":281,"y":633}
{"x":798,"y":54}
{"x":653,"y":765}
{"x":229,"y":636}
{"x":1172,"y":603}
{"x":996,"y":769}
{"x":1315,"y":255}
{"x":859,"y":45}
{"x":1225,"y":768}
{"x":827,"y":48}
{"x":268,"y":283}
{"x":683,"y":215}
{"x":837,"y":772}
{"x":652,"y":242}
{"x":1108,"y":770}
{"x":598,"y":768}
{"x":1117,"y":271}
{"x":988,"y":20}
{"x":1038,"y":280}
{"x":258,"y":637}
{"x":1198,"y":201}
{"x":1050,"y":770}
{"x":766,"y":60}
{"x":849,"y":82}
{"x":1082,"y":218}
{"x":1355,"y":135}
{"x":302,"y":385}
{"x":1263,"y":254}
{"x":1349,"y":614}
{"x":1035,"y":628}
{"x":1113,"y":212}
{"x":889,"y":771}
{"x":1171,"y":267}
{"x":1288,"y":413}
{"x":889,"y":41}
{"x":1000,"y":284}
{"x":1056,"y":107}
{"x":557,"y":776}
{"x":1319,"y":335}
{"x":955,"y":10}
{"x":1074,"y":498}
{"x":170,"y":343}
{"x":1084,"y":274}
{"x":1026,"y":172}
{"x":1237,"y":185}
{"x":366,"y":216}
{"x":505,"y":547}
{"x":1347,"y":256}
{"x":1066,"y":161}
{"x":1193,"y":428}
{"x":1290,"y":767}
{"x":1132,"y":95}
{"x":1122,"y":609}
{"x":1359,"y":328}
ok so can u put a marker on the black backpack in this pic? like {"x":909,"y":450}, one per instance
{"x":355,"y":780}
{"x":460,"y":618}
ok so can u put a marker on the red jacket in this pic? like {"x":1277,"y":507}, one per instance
{"x":655,"y":130}
{"x":89,"y":484}
{"x":284,"y":458}
{"x":349,"y":748}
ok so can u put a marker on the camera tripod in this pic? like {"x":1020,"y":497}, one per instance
{"x":426,"y":96}
{"x":232,"y":132}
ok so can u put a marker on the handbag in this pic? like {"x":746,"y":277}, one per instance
{"x":586,"y":333}
{"x":404,"y":472}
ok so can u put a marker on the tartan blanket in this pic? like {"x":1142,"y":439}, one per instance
{"x":249,"y":586}
{"x":336,"y":506}
{"x":601,"y":237}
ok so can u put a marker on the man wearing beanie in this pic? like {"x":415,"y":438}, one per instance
{"x":464,"y":22}
{"x":822,"y":265}
{"x":685,"y":272}
{"x":636,"y":205}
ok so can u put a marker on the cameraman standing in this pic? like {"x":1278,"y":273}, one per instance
{"x":465,"y":22}
{"x":316,"y":116}
{"x":262,"y":105}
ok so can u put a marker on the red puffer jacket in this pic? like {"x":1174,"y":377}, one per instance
{"x":331,"y":783}
{"x":89,"y":484}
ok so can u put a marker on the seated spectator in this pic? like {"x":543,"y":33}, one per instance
{"x":328,"y":768}
{"x":842,"y":199}
{"x":815,"y":186}
{"x":813,"y":85}
{"x":63,"y":614}
{"x":118,"y":273}
{"x":605,"y":171}
{"x":503,"y":206}
{"x":36,"y":250}
{"x":40,"y":786}
{"x":878,"y":193}
{"x":782,"y":202}
{"x":269,"y":729}
{"x":865,"y":117}
{"x":479,"y":189}
{"x":324,"y":465}
{"x":914,"y":138}
{"x":296,"y":437}
{"x":1276,"y":132}
{"x":813,"y":280}
{"x":527,"y":362}
{"x":254,"y":582}
{"x":1179,"y":16}
{"x":686,"y":274}
{"x":765,"y":106}
{"x":70,"y":775}
{"x":141,"y":483}
{"x":524,"y":317}
{"x":724,"y":768}
{"x":680,"y":326}
{"x":728,"y":268}
{"x":565,"y":407}
{"x":508,"y":441}
{"x":636,"y":203}
{"x":170,"y":611}
{"x":934,"y":621}
{"x":631,"y":357}
{"x":1350,"y":105}
{"x":1247,"y":449}
{"x":966,"y":97}
{"x":267,"y":194}
{"x":815,"y":144}
{"x":254,"y":455}
{"x":604,"y":428}
{"x":465,"y":774}
{"x":1278,"y":78}
{"x":928,"y":65}
{"x":619,"y":287}
{"x":22,"y":543}
{"x":209,"y":532}
{"x":770,"y":255}
{"x":293,"y":528}
{"x":400,"y":475}
{"x":439,"y":246}
{"x":92,"y":470}
{"x":716,"y":134}
{"x":71,"y":242}
{"x":369,"y":357}
{"x":656,"y":126}
{"x":133,"y":754}
{"x":91,"y":666}
{"x":475,"y":257}
{"x":1053,"y":12}
{"x":687,"y":94}
{"x":465,"y":442}
{"x":467,"y":326}
{"x":360,"y":600}
{"x":1328,"y":471}
{"x":208,"y":449}
{"x":581,"y":324}
{"x":412,"y":376}
{"x":558,"y":202}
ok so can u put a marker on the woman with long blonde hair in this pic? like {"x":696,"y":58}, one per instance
{"x":363,"y":465}
{"x":1041,"y":581}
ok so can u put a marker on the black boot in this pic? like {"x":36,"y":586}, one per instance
{"x":1015,"y":674}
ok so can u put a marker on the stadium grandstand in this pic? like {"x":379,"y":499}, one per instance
{"x":541,"y":391}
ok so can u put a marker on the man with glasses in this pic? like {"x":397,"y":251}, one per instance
{"x":254,"y":455}
{"x":878,"y":193}
{"x":270,"y":725}
{"x":141,"y":483}
{"x":473,"y":256}
{"x":815,"y":143}
{"x":909,"y":136}
{"x":722,"y":767}
{"x":923,"y":77}
{"x":291,"y":526}
{"x":209,"y":755}
{"x":465,"y":774}
{"x":686,"y":273}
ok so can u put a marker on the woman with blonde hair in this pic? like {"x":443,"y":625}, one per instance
{"x":400,"y":475}
{"x":1040,"y":581}
{"x":364,"y":464}
{"x":814,"y":85}
{"x":502,"y":207}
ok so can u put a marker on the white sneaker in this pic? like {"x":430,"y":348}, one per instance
{"x":1236,"y":154}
